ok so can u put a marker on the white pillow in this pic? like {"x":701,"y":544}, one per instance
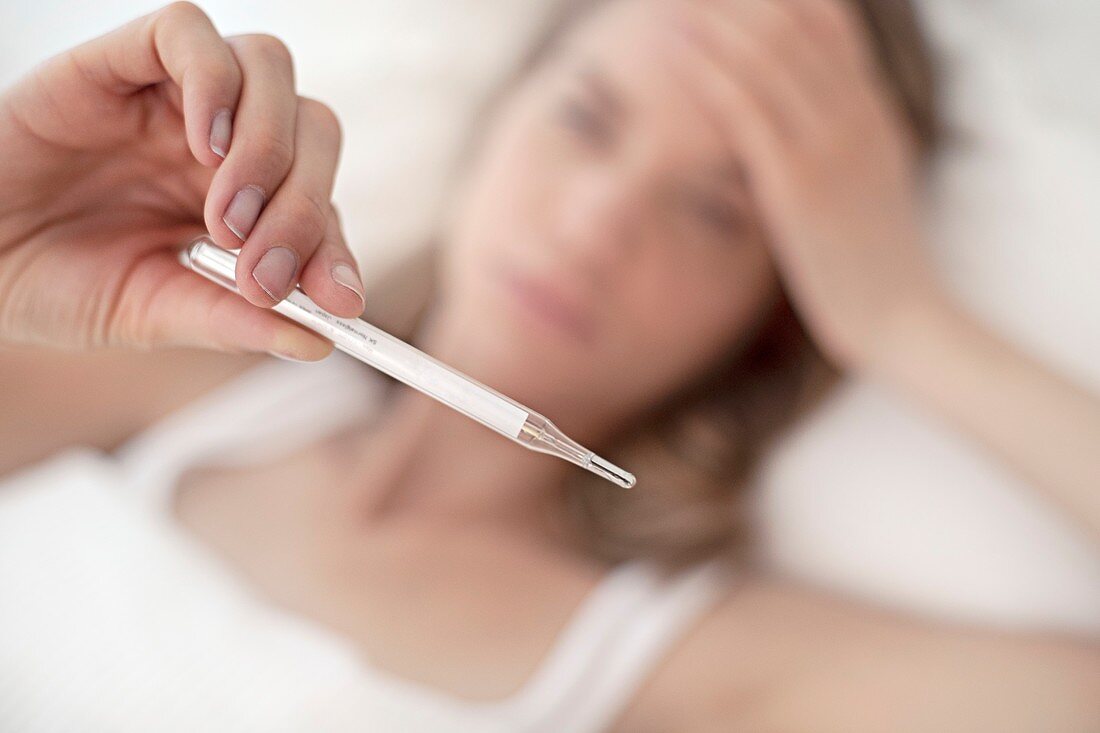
{"x":877,"y":498}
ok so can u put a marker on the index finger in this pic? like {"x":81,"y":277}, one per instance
{"x":178,"y":44}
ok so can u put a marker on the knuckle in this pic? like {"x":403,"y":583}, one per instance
{"x":268,"y":46}
{"x":182,"y":12}
{"x":321,"y":115}
{"x":311,"y":214}
{"x":273,"y":152}
{"x":214,"y":72}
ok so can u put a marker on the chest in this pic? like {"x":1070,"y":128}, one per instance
{"x":469,"y":612}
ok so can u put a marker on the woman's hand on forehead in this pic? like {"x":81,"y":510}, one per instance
{"x":831,"y":167}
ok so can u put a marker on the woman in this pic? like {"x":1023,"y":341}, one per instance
{"x":613,"y":255}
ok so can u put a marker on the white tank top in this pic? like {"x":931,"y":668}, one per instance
{"x":114,"y":619}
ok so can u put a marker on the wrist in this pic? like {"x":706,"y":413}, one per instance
{"x":916,"y":336}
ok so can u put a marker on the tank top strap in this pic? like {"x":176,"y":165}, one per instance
{"x":271,"y":408}
{"x":614,"y":642}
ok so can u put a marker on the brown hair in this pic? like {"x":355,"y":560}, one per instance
{"x":695,"y":452}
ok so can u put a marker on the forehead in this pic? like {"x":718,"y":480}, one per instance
{"x":627,"y":47}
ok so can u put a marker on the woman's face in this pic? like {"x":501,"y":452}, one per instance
{"x":603,"y":232}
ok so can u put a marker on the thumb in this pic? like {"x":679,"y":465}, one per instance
{"x":164,"y":304}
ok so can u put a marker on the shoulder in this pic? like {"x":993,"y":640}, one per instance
{"x":775,"y":656}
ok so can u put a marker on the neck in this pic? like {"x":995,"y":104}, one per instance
{"x":443,"y":465}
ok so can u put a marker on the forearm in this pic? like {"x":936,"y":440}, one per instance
{"x":51,"y":399}
{"x":1041,"y":425}
{"x":776,"y":656}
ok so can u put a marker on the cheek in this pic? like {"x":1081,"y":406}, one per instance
{"x":692,"y":310}
{"x":500,"y":203}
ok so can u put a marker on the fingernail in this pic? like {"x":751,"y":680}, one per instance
{"x":221,"y":129}
{"x":243,"y":211}
{"x":275,"y":272}
{"x":344,"y":274}
{"x":288,"y":357}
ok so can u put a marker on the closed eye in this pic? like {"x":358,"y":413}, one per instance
{"x":581,"y":117}
{"x":717,"y":214}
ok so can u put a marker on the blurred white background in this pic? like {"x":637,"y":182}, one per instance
{"x":870,"y":496}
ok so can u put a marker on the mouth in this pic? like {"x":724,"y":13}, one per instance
{"x":549,"y":305}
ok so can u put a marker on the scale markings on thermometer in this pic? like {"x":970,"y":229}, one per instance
{"x":408,"y":364}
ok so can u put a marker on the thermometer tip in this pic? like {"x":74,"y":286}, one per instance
{"x":611,"y":472}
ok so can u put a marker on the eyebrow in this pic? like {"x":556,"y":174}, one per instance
{"x":729,"y":173}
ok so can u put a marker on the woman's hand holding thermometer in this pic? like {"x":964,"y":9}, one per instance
{"x":116,"y":151}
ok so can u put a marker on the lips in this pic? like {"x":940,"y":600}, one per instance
{"x":551,"y":305}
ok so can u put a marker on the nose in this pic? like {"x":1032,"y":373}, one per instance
{"x":596,"y":216}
